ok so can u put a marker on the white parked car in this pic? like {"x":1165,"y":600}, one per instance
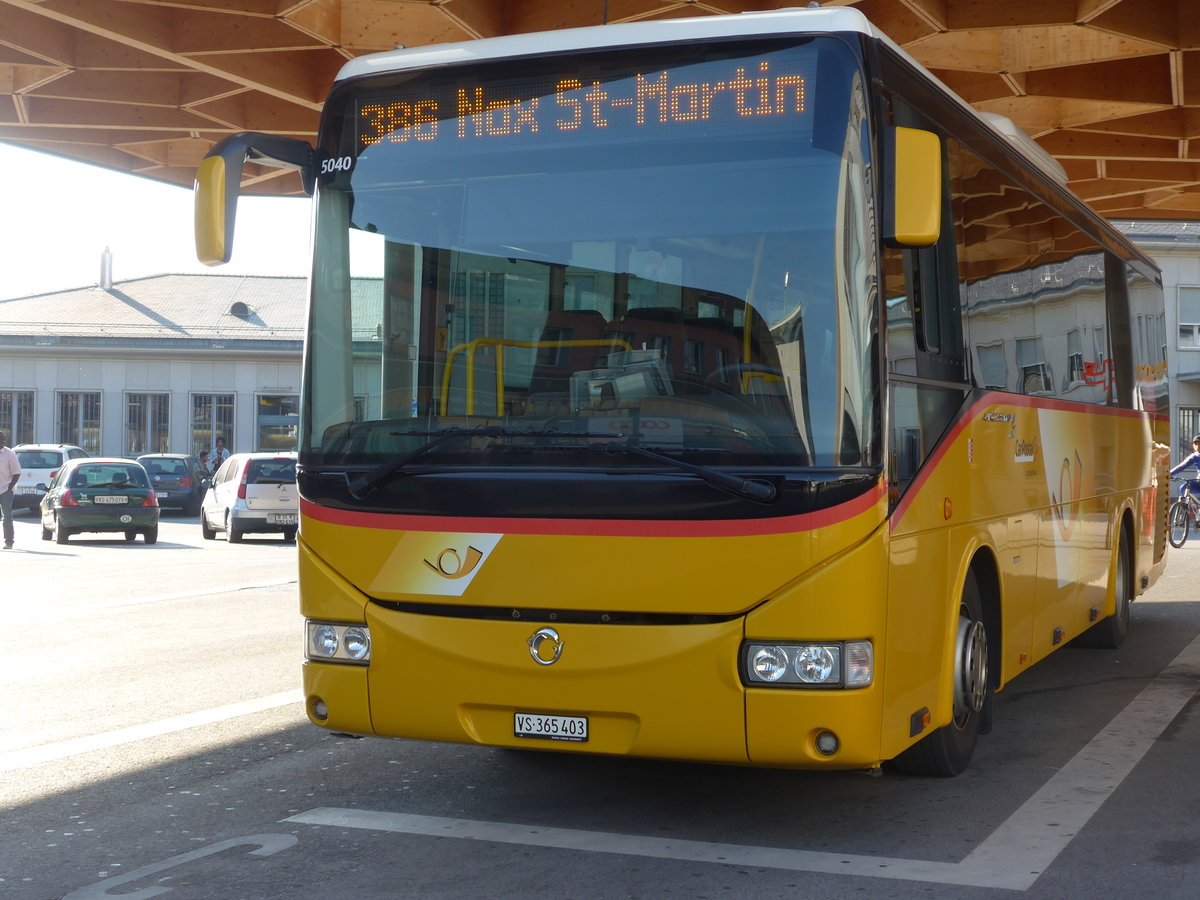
{"x":39,"y":464}
{"x":252,"y":493}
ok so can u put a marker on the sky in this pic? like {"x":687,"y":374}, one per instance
{"x":57,"y":216}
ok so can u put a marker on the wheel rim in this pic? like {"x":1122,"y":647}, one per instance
{"x":1122,"y":587}
{"x":971,"y":670}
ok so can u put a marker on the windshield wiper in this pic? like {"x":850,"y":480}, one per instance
{"x":750,"y":488}
{"x":366,"y":482}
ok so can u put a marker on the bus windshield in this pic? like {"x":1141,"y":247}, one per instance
{"x":669,"y":247}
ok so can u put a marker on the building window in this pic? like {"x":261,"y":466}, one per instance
{"x":1189,"y":427}
{"x":78,"y":419}
{"x":212,"y":417}
{"x":993,"y":368}
{"x":1035,"y":376}
{"x":278,"y":421}
{"x":1189,"y":317}
{"x":16,"y":416}
{"x":147,"y":421}
{"x":1074,"y":357}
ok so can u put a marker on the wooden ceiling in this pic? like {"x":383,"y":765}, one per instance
{"x":1109,"y":87}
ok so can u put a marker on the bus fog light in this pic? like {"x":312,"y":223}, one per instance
{"x":319,"y":710}
{"x":356,"y":642}
{"x":859,"y":663}
{"x":323,"y":641}
{"x":827,"y":743}
{"x":769,"y":663}
{"x":817,"y":665}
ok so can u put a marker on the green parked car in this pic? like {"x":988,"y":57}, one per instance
{"x":100,"y":495}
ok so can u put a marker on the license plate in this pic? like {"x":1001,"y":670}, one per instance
{"x":28,"y":489}
{"x":280,"y":519}
{"x":109,"y":498}
{"x":163,"y":493}
{"x":550,"y":728}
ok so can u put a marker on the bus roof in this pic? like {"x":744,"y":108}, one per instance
{"x":699,"y":28}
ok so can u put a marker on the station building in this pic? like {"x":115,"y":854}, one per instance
{"x":159,"y":364}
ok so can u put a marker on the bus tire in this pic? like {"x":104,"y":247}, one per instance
{"x":1110,"y":632}
{"x":1178,"y":524}
{"x":948,"y":751}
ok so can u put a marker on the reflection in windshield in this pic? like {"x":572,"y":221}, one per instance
{"x":708,"y":294}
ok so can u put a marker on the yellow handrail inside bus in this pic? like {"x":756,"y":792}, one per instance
{"x":500,"y":344}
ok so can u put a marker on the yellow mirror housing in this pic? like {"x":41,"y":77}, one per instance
{"x":213,"y":246}
{"x":915,"y":182}
{"x":219,"y":179}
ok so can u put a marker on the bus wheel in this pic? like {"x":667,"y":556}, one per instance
{"x":948,"y":750}
{"x":1110,"y":632}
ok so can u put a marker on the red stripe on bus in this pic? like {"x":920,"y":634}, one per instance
{"x":599,"y":527}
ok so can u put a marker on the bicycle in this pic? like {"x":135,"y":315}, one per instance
{"x":1183,"y":514}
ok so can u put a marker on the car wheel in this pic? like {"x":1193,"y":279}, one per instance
{"x":47,"y":534}
{"x":60,"y":533}
{"x":130,"y":537}
{"x":205,"y":528}
{"x":151,"y":535}
{"x":232,"y":533}
{"x":289,"y":535}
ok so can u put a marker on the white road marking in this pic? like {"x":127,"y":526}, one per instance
{"x":32,"y":756}
{"x":1012,"y":857}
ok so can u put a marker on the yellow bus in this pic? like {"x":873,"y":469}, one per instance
{"x":717,"y":389}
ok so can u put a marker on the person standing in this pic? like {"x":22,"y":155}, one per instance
{"x":205,"y":471}
{"x":10,"y":471}
{"x":219,"y":453}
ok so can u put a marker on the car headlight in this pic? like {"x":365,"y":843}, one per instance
{"x":331,"y":642}
{"x":828,"y":664}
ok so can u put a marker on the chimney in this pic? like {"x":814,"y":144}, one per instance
{"x":106,"y":270}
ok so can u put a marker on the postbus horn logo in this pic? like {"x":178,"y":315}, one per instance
{"x":452,"y":566}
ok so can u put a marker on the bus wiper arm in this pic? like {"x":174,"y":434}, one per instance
{"x":750,"y":488}
{"x":366,"y":482}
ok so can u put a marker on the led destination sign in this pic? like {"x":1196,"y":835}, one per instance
{"x":726,"y":96}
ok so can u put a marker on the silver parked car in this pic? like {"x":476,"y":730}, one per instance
{"x":252,"y":493}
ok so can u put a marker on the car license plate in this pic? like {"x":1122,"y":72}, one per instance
{"x":163,"y":493}
{"x":109,"y":498}
{"x":550,"y":728}
{"x":28,"y":489}
{"x":281,"y":519}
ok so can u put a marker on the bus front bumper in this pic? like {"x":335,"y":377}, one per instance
{"x":659,"y":691}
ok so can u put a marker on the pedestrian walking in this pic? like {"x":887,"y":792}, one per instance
{"x":10,"y":471}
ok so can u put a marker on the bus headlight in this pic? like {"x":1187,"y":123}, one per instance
{"x":769,"y":663}
{"x":840,"y":664}
{"x":330,"y":642}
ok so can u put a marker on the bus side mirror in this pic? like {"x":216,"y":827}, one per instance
{"x":914,"y":187}
{"x":219,"y":179}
